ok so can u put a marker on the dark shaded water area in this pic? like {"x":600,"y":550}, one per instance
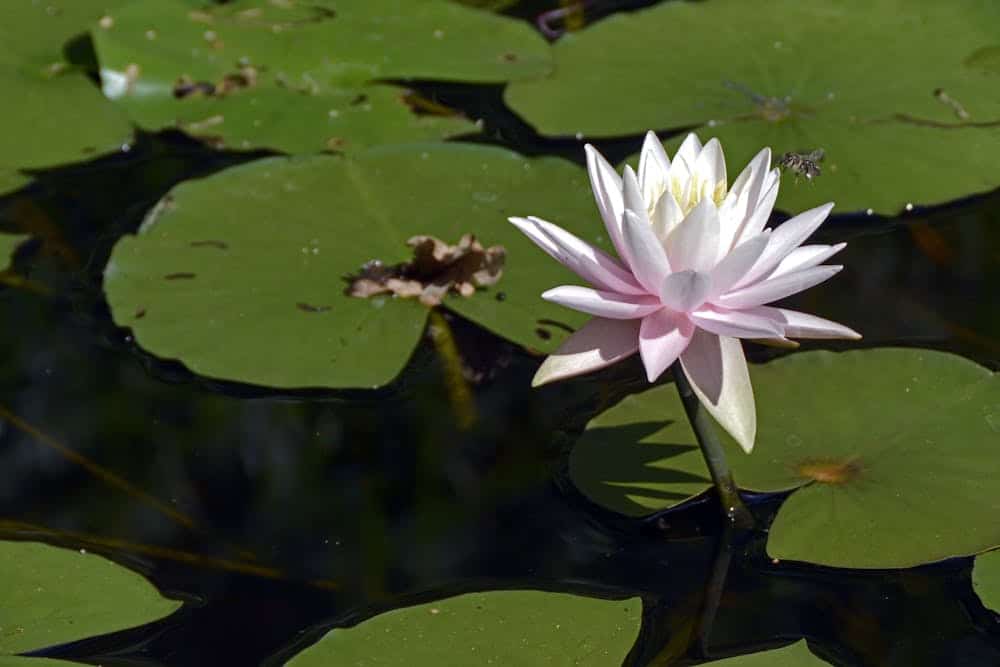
{"x":277,"y":516}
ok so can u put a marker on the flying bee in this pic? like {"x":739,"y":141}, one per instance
{"x":803,"y":164}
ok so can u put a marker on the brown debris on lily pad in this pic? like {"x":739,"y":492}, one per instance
{"x":436,"y":269}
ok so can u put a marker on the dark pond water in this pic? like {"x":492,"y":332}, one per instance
{"x":277,"y":516}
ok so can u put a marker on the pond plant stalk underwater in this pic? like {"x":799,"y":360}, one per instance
{"x":290,"y":375}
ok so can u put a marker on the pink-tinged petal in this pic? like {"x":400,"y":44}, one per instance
{"x":804,"y":325}
{"x":577,"y":255}
{"x":710,"y":168}
{"x":685,"y":290}
{"x":654,"y":168}
{"x":806,"y":257}
{"x":682,"y":165}
{"x":607,"y":187}
{"x":632,"y":195}
{"x":719,"y":376}
{"x":602,"y":304}
{"x":735,"y":265}
{"x":662,"y":337}
{"x":694,"y":243}
{"x":759,"y":214}
{"x":736,"y":323}
{"x":784,"y":239}
{"x":776,"y":288}
{"x":667,"y":214}
{"x":598,"y":343}
{"x":647,"y":258}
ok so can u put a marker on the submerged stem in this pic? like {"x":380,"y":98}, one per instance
{"x":732,"y":505}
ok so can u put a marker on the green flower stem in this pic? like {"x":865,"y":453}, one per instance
{"x":701,"y":423}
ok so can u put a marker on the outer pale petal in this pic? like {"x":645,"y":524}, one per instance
{"x":786,"y":238}
{"x":632,"y":195}
{"x":684,"y":291}
{"x":598,"y":343}
{"x":717,"y":369}
{"x":662,"y":337}
{"x":694,"y":243}
{"x":648,"y":259}
{"x":734,"y":266}
{"x":607,"y":187}
{"x":585,"y":260}
{"x":806,"y":257}
{"x":777,"y":288}
{"x":602,"y":304}
{"x":654,"y":168}
{"x":758,"y":214}
{"x":804,"y":325}
{"x":736,"y":323}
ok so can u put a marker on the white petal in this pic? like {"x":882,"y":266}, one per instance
{"x":718,"y":373}
{"x":667,"y":214}
{"x":758,"y":214}
{"x":585,"y":260}
{"x":685,"y":290}
{"x":806,"y":257}
{"x":607,"y":187}
{"x":736,"y":323}
{"x":694,"y":243}
{"x":662,"y":338}
{"x":777,"y":288}
{"x":632,"y":195}
{"x":602,"y":304}
{"x":647,"y":258}
{"x":598,"y":343}
{"x":710,"y":168}
{"x":654,"y":168}
{"x":743,"y":197}
{"x":682,"y":165}
{"x":735,"y":265}
{"x":804,"y":325}
{"x":784,"y":239}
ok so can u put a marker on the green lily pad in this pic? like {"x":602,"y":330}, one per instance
{"x":8,"y":244}
{"x":794,"y":655}
{"x":53,"y":596}
{"x":986,"y":579}
{"x":60,"y":116}
{"x":902,"y":95}
{"x":241,"y":275}
{"x":500,"y":628}
{"x":884,"y":447}
{"x":298,"y":77}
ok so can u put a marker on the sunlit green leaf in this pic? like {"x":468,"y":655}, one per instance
{"x":902,"y":95}
{"x":52,"y":596}
{"x":298,"y":77}
{"x":8,"y":244}
{"x":885,"y":448}
{"x":986,"y":579}
{"x":529,"y":628}
{"x":241,"y":275}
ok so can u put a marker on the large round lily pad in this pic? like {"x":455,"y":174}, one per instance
{"x":52,"y":596}
{"x":297,"y":76}
{"x":241,"y":275}
{"x":59,"y":115}
{"x":8,"y":244}
{"x":986,"y":579}
{"x":902,"y":95}
{"x":884,"y":447}
{"x":500,"y":628}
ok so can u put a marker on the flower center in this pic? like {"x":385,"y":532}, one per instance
{"x":688,"y":193}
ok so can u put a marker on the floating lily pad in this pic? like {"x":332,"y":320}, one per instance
{"x":241,"y":275}
{"x":884,"y":447}
{"x":298,"y":76}
{"x":902,"y":95}
{"x":53,"y":596}
{"x":8,"y":244}
{"x":501,"y":628}
{"x":794,"y":655}
{"x":986,"y":579}
{"x":60,"y":116}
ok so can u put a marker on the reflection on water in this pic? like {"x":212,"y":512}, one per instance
{"x":278,"y":517}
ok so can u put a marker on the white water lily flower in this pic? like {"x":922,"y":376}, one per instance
{"x":696,"y":269}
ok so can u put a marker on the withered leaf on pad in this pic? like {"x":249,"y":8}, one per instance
{"x":435,"y":269}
